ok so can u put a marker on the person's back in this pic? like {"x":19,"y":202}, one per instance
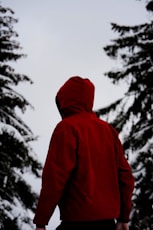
{"x":86,"y":173}
{"x":93,"y":190}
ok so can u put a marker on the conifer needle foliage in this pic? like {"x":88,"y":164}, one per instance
{"x":17,"y":198}
{"x":132,"y":114}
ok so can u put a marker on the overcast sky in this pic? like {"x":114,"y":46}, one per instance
{"x":63,"y":38}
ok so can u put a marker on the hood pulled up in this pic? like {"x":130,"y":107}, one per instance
{"x":76,"y":95}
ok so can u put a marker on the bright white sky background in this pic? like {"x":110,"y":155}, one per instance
{"x":63,"y":38}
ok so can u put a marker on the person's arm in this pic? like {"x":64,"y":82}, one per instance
{"x":126,"y":184}
{"x":60,"y":161}
{"x":126,"y":187}
{"x":122,"y":226}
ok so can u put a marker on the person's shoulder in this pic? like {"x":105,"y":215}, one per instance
{"x":105,"y":123}
{"x":64,"y":123}
{"x":109,"y":126}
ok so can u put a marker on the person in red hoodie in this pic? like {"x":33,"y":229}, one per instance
{"x":86,"y":173}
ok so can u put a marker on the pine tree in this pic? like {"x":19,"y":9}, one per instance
{"x":132,"y":114}
{"x":17,"y":198}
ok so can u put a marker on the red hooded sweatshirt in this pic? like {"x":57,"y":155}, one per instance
{"x":85,"y":173}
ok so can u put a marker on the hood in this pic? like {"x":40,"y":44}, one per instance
{"x":76,"y":95}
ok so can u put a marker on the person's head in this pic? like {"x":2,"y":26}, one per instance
{"x":76,"y":95}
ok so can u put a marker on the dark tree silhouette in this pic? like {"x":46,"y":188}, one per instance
{"x":132,"y":115}
{"x":17,"y":199}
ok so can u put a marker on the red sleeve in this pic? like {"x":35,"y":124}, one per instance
{"x":59,"y":164}
{"x":126,"y":185}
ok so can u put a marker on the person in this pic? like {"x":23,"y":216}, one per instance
{"x":86,"y":173}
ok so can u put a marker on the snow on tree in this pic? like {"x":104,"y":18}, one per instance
{"x":17,"y":198}
{"x":132,"y":114}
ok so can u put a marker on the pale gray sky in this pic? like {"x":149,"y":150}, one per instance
{"x":63,"y":38}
